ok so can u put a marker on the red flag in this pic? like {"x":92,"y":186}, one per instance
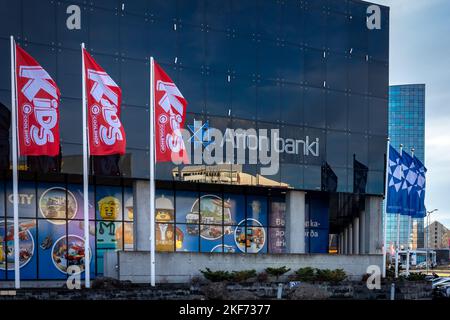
{"x":170,"y":115}
{"x":37,"y":108}
{"x":104,"y":96}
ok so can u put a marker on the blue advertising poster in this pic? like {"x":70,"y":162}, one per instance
{"x":185,"y":207}
{"x":27,"y":200}
{"x":27,"y":248}
{"x":187,"y":238}
{"x":277,"y":240}
{"x":52,"y":236}
{"x":257,"y":209}
{"x":317,"y":224}
{"x":235,"y":205}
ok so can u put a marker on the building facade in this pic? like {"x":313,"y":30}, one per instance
{"x":407,"y":128}
{"x":437,"y":235}
{"x":311,"y":70}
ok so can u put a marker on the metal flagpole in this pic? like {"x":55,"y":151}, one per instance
{"x":152,"y":172}
{"x":398,"y":232}
{"x":409,"y":235}
{"x":386,"y":184}
{"x":15,"y":169}
{"x":87,"y":259}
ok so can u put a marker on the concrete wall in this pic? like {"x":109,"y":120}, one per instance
{"x":181,"y":267}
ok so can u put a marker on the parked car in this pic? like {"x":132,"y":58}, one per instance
{"x":442,"y":291}
{"x":440,"y":282}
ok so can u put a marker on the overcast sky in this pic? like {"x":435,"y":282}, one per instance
{"x":420,"y":53}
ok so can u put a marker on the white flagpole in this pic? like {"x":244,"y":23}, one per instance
{"x":409,"y":234}
{"x":15,"y":173}
{"x":398,"y":232}
{"x":87,"y":273}
{"x":152,"y":172}
{"x":386,"y":184}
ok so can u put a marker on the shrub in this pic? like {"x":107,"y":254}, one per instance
{"x":419,"y":276}
{"x":277,"y":272}
{"x":306,"y":274}
{"x":262,"y":276}
{"x":243,"y":275}
{"x":328,"y":275}
{"x":216,"y":276}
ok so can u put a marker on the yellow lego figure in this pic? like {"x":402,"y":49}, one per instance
{"x":109,"y":208}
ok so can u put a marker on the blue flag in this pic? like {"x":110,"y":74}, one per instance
{"x":394,"y":195}
{"x":418,"y":190}
{"x":410,"y":178}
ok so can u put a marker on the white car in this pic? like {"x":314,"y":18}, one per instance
{"x":440,"y":282}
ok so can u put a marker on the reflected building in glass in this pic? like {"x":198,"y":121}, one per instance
{"x":311,"y":70}
{"x":407,"y":127}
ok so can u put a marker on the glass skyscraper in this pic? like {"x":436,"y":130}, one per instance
{"x":407,"y":127}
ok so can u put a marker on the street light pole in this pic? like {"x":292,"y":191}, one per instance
{"x":428,"y":233}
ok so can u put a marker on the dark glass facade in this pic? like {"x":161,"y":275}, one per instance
{"x":307,"y":68}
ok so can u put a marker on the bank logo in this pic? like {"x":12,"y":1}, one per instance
{"x":200,"y":134}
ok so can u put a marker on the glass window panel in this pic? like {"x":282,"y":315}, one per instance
{"x":211,"y":244}
{"x":104,"y":31}
{"x":108,"y":203}
{"x":27,"y":199}
{"x":292,"y":22}
{"x":243,"y":99}
{"x":336,"y":142}
{"x":357,"y":35}
{"x":187,"y":207}
{"x":337,"y":71}
{"x":34,"y":29}
{"x":134,"y":36}
{"x":277,"y":217}
{"x":292,"y":102}
{"x":269,"y":13}
{"x":378,"y":79}
{"x":5,"y":78}
{"x":134,"y":117}
{"x":315,"y":68}
{"x":135,"y":82}
{"x":290,"y":64}
{"x":27,"y":244}
{"x":129,"y":204}
{"x":378,"y":114}
{"x":378,"y":43}
{"x":337,"y":110}
{"x":164,"y":10}
{"x":10,"y":19}
{"x":163,"y":29}
{"x":315,"y":28}
{"x":125,"y":231}
{"x":68,"y":75}
{"x":292,"y":175}
{"x":243,"y":17}
{"x":257,"y":209}
{"x":316,"y":140}
{"x":75,"y":247}
{"x":191,"y":12}
{"x":377,"y":150}
{"x":314,"y":107}
{"x":251,"y":239}
{"x":191,"y":46}
{"x":375,"y":182}
{"x":358,"y":114}
{"x":218,"y":94}
{"x":71,"y":38}
{"x":358,"y":77}
{"x":165,"y":237}
{"x":187,"y":237}
{"x":234,"y":205}
{"x":218,"y":14}
{"x":277,"y":240}
{"x":268,"y":101}
{"x":312,"y":177}
{"x":71,"y":115}
{"x":192,"y":82}
{"x":338,"y":32}
{"x":267,"y":67}
{"x":243,"y":55}
{"x":51,"y":241}
{"x":358,"y":146}
{"x":218,"y":51}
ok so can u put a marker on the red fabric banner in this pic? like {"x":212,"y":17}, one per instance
{"x":170,"y":115}
{"x":104,"y":97}
{"x":37,"y":108}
